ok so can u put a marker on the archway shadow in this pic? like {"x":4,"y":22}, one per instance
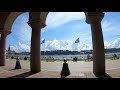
{"x":13,"y":69}
{"x":23,"y":75}
{"x":103,"y":75}
{"x":63,"y":76}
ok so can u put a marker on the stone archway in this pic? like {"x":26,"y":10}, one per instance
{"x":7,"y":19}
{"x":37,"y":21}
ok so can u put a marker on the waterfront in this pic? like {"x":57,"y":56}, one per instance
{"x":81,"y":56}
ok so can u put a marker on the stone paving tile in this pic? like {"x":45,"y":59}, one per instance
{"x":52,"y":70}
{"x":115,"y":73}
{"x":89,"y":75}
{"x":50,"y":74}
{"x":76,"y":75}
{"x":19,"y":71}
{"x":45,"y":75}
{"x":6,"y":74}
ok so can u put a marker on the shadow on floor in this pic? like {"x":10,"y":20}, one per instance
{"x":23,"y":75}
{"x":12,"y":69}
{"x":63,"y":76}
{"x":103,"y":76}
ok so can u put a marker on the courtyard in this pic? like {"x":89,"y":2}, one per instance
{"x":80,"y":69}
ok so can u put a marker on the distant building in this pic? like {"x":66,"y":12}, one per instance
{"x":9,"y":52}
{"x":9,"y":48}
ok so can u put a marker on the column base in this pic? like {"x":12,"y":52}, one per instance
{"x":34,"y":71}
{"x":2,"y":64}
{"x":99,"y":72}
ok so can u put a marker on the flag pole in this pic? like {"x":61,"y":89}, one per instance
{"x":44,"y":49}
{"x":77,"y":41}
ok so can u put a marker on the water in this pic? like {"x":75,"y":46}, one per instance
{"x":63,"y":56}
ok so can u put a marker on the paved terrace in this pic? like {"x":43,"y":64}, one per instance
{"x":80,"y":69}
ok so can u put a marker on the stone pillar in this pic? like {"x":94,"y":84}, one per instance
{"x":98,"y":42}
{"x":3,"y":47}
{"x":0,"y":36}
{"x":35,"y":64}
{"x":2,"y":50}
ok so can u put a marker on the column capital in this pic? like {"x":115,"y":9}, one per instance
{"x":43,"y":25}
{"x":93,"y":17}
{"x":5,"y":32}
{"x":36,"y":24}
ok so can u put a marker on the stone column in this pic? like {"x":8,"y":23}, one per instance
{"x":3,"y":47}
{"x":98,"y":42}
{"x":0,"y":36}
{"x":35,"y":64}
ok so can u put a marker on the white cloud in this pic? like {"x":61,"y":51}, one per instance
{"x":65,"y":45}
{"x":70,"y":45}
{"x":54,"y":45}
{"x":21,"y":47}
{"x":55,"y":19}
{"x":82,"y":46}
{"x":107,"y":44}
{"x":113,"y":44}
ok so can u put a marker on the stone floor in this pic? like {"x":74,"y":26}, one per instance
{"x":52,"y":70}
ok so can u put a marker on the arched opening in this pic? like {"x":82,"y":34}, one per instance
{"x":61,"y":31}
{"x":10,"y":20}
{"x":18,"y":42}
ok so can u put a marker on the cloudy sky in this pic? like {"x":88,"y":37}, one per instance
{"x":62,"y":29}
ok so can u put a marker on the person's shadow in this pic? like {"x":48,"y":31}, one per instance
{"x":65,"y":70}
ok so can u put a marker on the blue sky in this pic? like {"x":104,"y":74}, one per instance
{"x":62,"y":29}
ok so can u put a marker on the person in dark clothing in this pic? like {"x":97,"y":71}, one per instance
{"x":75,"y":59}
{"x":65,"y":69}
{"x":17,"y":66}
{"x":12,"y":57}
{"x":114,"y":56}
{"x":25,"y":58}
{"x":88,"y":57}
